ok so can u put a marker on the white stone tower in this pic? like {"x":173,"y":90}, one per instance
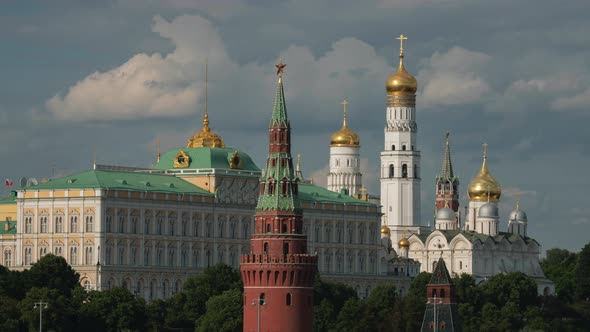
{"x":345,"y":167}
{"x":400,"y":159}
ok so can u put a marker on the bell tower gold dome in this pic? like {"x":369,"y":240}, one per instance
{"x":345,"y":136}
{"x":484,"y":187}
{"x":401,"y":82}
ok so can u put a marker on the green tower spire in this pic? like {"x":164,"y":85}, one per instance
{"x":279,"y":185}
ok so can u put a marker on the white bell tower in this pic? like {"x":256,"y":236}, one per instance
{"x":400,"y":158}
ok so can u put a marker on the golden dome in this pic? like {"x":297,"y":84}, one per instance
{"x":484,"y":187}
{"x":205,"y":138}
{"x":385,"y":230}
{"x":345,"y":136}
{"x":404,"y":243}
{"x":401,"y":82}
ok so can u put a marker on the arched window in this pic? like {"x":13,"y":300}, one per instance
{"x":433,"y":293}
{"x":261,"y":298}
{"x":404,"y":147}
{"x":28,"y":225}
{"x":285,"y":248}
{"x":89,"y":224}
{"x":404,"y":171}
{"x":415,"y":171}
{"x":58,"y":225}
{"x":391,"y":170}
{"x":74,"y":224}
{"x":268,"y":228}
{"x":442,"y":293}
{"x":8,"y":257}
{"x":43,"y":225}
{"x":88,"y":257}
{"x":284,"y":228}
{"x":393,"y":147}
{"x":288,"y":298}
{"x":73,"y":256}
{"x":265,"y":248}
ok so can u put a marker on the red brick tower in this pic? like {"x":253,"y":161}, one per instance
{"x":441,"y":307}
{"x":278,"y":274}
{"x":447,"y":184}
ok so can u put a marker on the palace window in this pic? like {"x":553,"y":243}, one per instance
{"x":134,"y":225}
{"x":121,"y":224}
{"x":74,"y":256}
{"x":171,"y":228}
{"x":8,"y":257}
{"x":88,"y":255}
{"x":43,"y":225}
{"x":28,"y":224}
{"x":89,"y":224}
{"x":109,"y":223}
{"x":28,"y":252}
{"x":58,"y":225}
{"x":74,"y":224}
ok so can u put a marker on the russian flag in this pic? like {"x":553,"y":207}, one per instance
{"x":9,"y":183}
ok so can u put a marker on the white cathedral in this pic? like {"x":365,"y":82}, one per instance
{"x":472,"y":243}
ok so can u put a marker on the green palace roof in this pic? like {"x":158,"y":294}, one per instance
{"x":205,"y":157}
{"x":313,"y":193}
{"x":11,"y":199}
{"x":11,"y":229}
{"x":122,"y":181}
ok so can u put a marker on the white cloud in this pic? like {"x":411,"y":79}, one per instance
{"x":453,"y":78}
{"x":579,"y":101}
{"x":151,"y":86}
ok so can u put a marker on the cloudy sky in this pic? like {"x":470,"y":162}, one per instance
{"x":107,"y":78}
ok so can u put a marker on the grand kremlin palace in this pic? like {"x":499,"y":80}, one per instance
{"x":150,"y":229}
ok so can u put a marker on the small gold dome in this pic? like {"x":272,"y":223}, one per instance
{"x":205,"y":138}
{"x":401,"y":82}
{"x":385,"y":230}
{"x":404,"y":243}
{"x":484,"y":186}
{"x":345,"y":136}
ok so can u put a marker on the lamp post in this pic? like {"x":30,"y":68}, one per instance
{"x":42,"y":305}
{"x":259,"y":301}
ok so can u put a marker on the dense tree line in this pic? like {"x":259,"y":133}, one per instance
{"x":212,"y":301}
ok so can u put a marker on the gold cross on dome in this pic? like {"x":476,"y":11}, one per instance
{"x":344,"y":103}
{"x":401,"y":39}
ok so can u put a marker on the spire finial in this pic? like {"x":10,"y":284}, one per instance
{"x":344,"y":103}
{"x":517,"y":201}
{"x":158,"y":150}
{"x":206,"y":116}
{"x":447,"y":136}
{"x":401,"y":39}
{"x":280,"y":69}
{"x":485,"y":151}
{"x":94,"y":158}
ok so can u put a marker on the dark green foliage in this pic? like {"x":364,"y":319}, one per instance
{"x":113,"y":310}
{"x":224,"y":313}
{"x":582,"y":275}
{"x":62,"y":277}
{"x":559,"y":266}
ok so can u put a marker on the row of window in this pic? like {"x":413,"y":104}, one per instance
{"x":72,"y":227}
{"x":58,"y":250}
{"x":403,"y":147}
{"x":391,"y":173}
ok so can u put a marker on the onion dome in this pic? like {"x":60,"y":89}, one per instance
{"x":205,"y":138}
{"x":445,"y":213}
{"x":484,"y":187}
{"x":401,"y":82}
{"x":345,"y":136}
{"x":385,"y":230}
{"x":403,"y":243}
{"x":518,"y":214}
{"x":488,"y":210}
